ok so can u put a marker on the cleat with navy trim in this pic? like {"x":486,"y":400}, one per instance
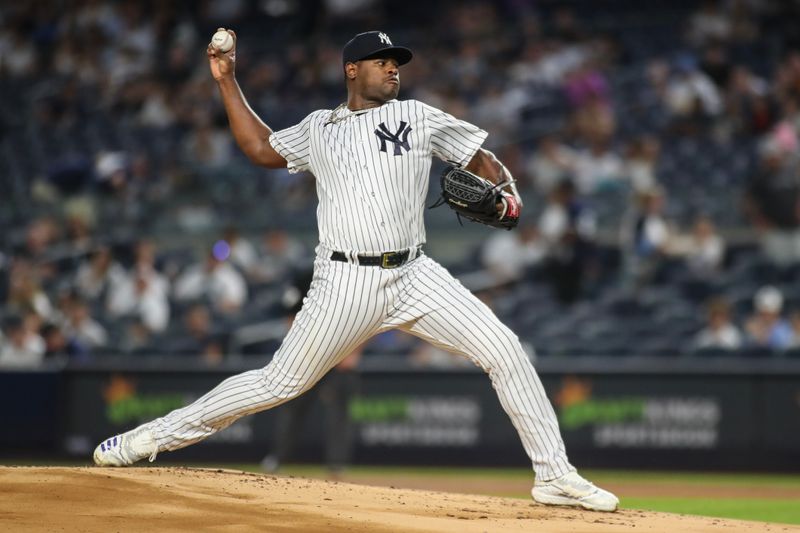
{"x":127,"y":448}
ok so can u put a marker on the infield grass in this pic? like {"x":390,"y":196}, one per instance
{"x":766,"y":510}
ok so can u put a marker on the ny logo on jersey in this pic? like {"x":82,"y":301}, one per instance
{"x":384,"y":135}
{"x":384,"y":38}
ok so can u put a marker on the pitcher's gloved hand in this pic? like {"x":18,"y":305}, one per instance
{"x":478,"y":199}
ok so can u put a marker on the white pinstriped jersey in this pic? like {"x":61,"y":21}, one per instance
{"x":372,"y":169}
{"x":372,"y":179}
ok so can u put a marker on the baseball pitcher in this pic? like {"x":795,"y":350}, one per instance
{"x":371,"y":158}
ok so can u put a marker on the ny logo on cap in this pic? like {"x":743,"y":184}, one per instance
{"x":384,"y":135}
{"x":384,"y":38}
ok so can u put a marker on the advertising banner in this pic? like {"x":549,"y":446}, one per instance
{"x":607,"y":419}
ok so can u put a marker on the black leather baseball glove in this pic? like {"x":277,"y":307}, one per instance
{"x":478,"y":199}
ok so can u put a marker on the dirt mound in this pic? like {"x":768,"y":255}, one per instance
{"x":183,"y":499}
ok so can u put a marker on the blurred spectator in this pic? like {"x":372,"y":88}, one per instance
{"x":80,"y":327}
{"x":18,"y":56}
{"x":641,"y":161}
{"x":707,"y":249}
{"x":567,"y":227}
{"x":745,"y":16}
{"x":143,"y":294}
{"x":716,"y":65}
{"x":137,"y":338}
{"x":157,"y":110}
{"x":595,"y":125}
{"x":645,"y":237}
{"x":586,"y":85}
{"x":41,"y":235}
{"x":499,"y":110}
{"x":703,"y":250}
{"x":766,"y":328}
{"x":750,"y":107}
{"x":25,"y":293}
{"x":507,"y":255}
{"x":280,"y":254}
{"x":58,"y":345}
{"x":691,"y":97}
{"x":79,"y":232}
{"x":98,"y":274}
{"x":552,"y":162}
{"x":598,"y":167}
{"x":111,"y":170}
{"x":229,"y":11}
{"x":146,"y":187}
{"x":209,"y":143}
{"x":37,"y":257}
{"x":773,"y":203}
{"x":720,"y":332}
{"x":198,"y":337}
{"x":242,"y":252}
{"x":710,"y":23}
{"x":20,"y":346}
{"x":214,"y":280}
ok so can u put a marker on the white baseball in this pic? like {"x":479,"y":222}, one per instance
{"x":222,"y":40}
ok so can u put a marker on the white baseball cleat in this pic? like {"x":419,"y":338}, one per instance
{"x":127,"y":448}
{"x":572,"y":489}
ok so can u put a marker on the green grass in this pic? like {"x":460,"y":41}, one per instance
{"x":725,"y":479}
{"x":766,"y":510}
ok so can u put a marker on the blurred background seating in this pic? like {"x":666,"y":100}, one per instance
{"x":673,"y":126}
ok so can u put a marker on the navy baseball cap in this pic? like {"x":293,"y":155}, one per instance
{"x":372,"y":44}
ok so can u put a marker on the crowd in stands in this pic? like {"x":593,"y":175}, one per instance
{"x":657,"y":147}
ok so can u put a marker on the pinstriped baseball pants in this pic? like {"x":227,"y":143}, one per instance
{"x":346,"y":305}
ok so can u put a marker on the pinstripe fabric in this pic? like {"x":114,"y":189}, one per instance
{"x":437,"y":308}
{"x":372,"y":201}
{"x":371,"y":188}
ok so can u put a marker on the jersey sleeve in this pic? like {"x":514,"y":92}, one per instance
{"x":294,"y":145}
{"x":453,"y":140}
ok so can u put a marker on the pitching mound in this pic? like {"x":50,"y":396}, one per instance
{"x":182,"y":499}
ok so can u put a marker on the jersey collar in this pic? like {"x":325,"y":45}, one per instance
{"x":342,"y":112}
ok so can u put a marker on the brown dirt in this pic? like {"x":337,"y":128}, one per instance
{"x":180,"y":499}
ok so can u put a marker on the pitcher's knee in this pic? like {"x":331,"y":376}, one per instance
{"x":289,"y":392}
